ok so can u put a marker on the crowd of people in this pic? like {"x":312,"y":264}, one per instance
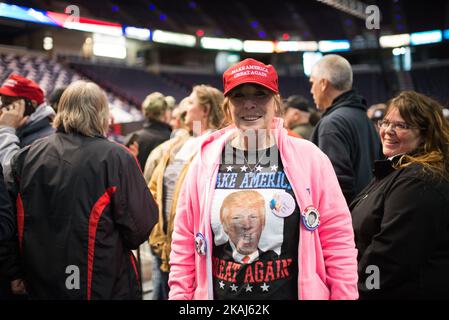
{"x":239,"y":193}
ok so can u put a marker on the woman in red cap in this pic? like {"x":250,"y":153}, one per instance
{"x":306,"y":247}
{"x":24,"y":116}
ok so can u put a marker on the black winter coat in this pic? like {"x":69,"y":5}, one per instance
{"x":349,"y":139}
{"x":401,"y":225}
{"x":149,"y":137}
{"x":82,"y":205}
{"x":7,"y":224}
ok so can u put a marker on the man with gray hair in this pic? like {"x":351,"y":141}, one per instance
{"x":81,"y":205}
{"x":344,"y":132}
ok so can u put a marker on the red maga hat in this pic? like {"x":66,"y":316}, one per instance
{"x":18,"y":86}
{"x":250,"y":71}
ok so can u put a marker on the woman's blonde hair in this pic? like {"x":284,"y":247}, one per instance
{"x":83,"y":109}
{"x":424,"y":113}
{"x":227,"y":111}
{"x":211,"y":98}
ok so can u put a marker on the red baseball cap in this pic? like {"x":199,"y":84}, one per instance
{"x":18,"y":86}
{"x":250,"y":71}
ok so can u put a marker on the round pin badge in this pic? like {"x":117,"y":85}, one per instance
{"x":200,"y":244}
{"x":311,"y":218}
{"x":282,"y":205}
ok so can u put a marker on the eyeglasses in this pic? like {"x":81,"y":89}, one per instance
{"x":395,"y":125}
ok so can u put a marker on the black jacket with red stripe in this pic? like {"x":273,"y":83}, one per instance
{"x":82,"y":205}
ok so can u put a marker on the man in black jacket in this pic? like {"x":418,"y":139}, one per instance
{"x":155,"y":130}
{"x":344,"y":132}
{"x":82,"y":205}
{"x":7,"y":231}
{"x":7,"y":224}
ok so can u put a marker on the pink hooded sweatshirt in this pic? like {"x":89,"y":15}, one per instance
{"x":327,"y":256}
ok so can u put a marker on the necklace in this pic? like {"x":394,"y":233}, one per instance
{"x":256,"y":166}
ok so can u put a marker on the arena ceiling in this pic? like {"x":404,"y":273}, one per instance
{"x":258,"y":19}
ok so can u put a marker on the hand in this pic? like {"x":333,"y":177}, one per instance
{"x":134,"y":149}
{"x":12,"y":115}
{"x":18,"y":287}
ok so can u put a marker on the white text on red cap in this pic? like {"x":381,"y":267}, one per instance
{"x":249,"y":67}
{"x":10,"y":83}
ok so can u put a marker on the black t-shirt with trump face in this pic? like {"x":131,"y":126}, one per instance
{"x":255,"y":224}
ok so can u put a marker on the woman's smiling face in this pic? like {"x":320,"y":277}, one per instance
{"x":396,"y":136}
{"x":252,"y":107}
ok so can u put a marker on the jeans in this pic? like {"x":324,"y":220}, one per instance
{"x":159,"y":279}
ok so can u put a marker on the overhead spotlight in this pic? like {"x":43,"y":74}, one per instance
{"x":48,"y":43}
{"x":399,"y":51}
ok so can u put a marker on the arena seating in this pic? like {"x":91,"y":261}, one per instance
{"x":126,"y":86}
{"x":433,"y":82}
{"x":133,"y":83}
{"x":51,"y":74}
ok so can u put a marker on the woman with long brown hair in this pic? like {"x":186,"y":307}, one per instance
{"x":401,"y":219}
